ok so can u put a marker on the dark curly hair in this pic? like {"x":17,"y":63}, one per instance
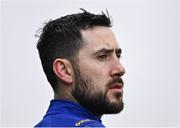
{"x":61,"y":38}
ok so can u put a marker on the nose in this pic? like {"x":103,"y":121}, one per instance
{"x":117,"y":69}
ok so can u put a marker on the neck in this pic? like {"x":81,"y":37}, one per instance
{"x":66,"y":95}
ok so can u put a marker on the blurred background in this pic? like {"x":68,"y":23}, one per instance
{"x":148,"y":33}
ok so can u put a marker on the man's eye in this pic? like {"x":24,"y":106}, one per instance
{"x":102,"y":57}
{"x":118,"y":56}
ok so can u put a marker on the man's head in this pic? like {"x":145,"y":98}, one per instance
{"x":80,"y":57}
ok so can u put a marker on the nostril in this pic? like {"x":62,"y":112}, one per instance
{"x":117,"y":75}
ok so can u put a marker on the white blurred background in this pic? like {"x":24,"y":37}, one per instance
{"x":148,"y":33}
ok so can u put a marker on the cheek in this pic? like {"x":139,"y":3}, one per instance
{"x":99,"y":78}
{"x":95,"y":71}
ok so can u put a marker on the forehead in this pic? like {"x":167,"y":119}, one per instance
{"x":99,"y":37}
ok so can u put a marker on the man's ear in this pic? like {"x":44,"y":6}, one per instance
{"x":63,"y":70}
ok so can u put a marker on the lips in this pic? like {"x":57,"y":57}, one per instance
{"x":117,"y":86}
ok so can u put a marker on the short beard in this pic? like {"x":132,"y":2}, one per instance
{"x":92,"y":98}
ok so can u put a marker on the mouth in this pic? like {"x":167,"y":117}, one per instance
{"x":116,"y":90}
{"x":117,"y":86}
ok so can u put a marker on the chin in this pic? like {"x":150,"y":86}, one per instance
{"x":114,"y":106}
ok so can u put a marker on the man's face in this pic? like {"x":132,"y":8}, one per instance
{"x":98,"y":84}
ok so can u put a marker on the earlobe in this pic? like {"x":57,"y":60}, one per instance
{"x":62,"y":69}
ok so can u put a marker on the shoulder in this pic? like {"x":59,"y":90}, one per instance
{"x":57,"y":121}
{"x":69,"y":122}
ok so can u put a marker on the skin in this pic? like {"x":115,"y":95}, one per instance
{"x":98,"y":61}
{"x":98,"y":65}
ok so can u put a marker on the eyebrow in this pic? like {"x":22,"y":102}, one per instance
{"x":105,"y":50}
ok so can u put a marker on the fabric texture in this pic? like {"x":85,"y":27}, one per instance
{"x":63,"y":113}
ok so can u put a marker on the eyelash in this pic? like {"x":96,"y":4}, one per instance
{"x":102,"y":57}
{"x":118,"y":56}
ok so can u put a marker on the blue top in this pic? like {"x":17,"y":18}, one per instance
{"x":62,"y":113}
